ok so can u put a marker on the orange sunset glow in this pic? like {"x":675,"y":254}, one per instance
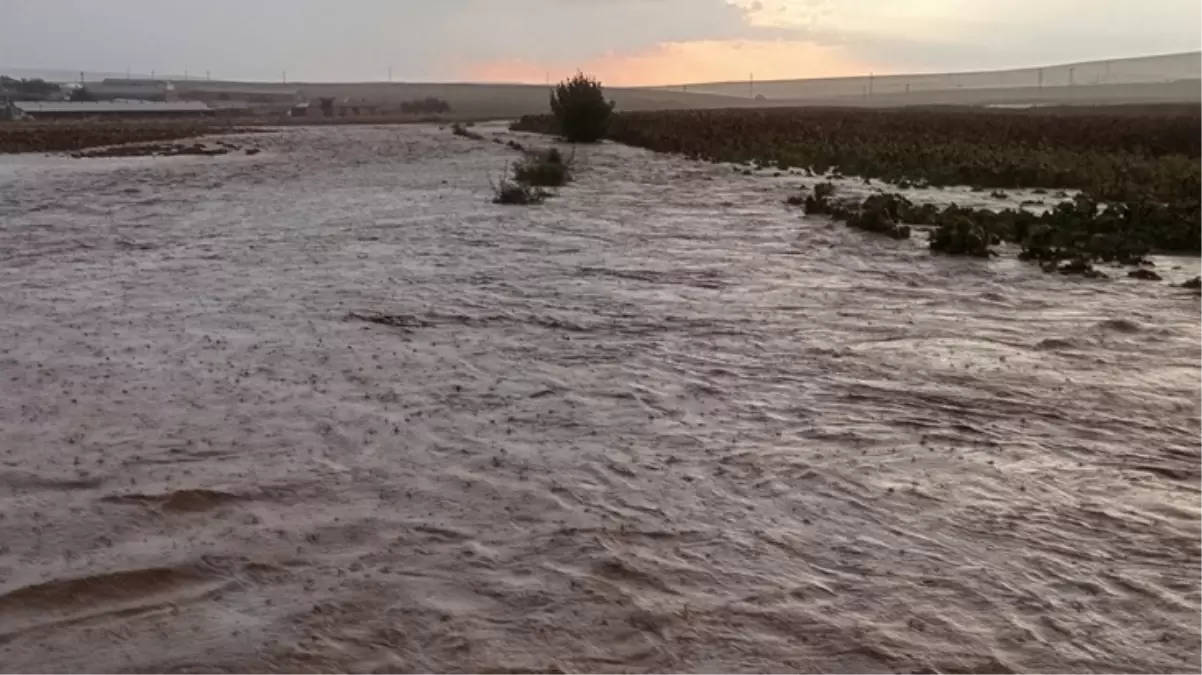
{"x":683,"y":62}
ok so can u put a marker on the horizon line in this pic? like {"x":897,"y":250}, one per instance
{"x":297,"y":82}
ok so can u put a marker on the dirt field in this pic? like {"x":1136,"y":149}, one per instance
{"x":661,"y":423}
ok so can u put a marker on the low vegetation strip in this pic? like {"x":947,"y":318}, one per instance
{"x":1118,"y":155}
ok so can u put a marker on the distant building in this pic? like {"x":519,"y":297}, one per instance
{"x":45,"y":110}
{"x":113,"y":89}
{"x":201,"y":90}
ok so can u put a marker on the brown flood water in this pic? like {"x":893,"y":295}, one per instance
{"x":660,"y":423}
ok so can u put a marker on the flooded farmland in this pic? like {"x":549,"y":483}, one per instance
{"x":327,"y":408}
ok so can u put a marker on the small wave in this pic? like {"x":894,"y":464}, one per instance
{"x":1054,"y":344}
{"x":182,"y":501}
{"x":1120,"y":325}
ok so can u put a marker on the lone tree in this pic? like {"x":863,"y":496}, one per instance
{"x":580,"y":109}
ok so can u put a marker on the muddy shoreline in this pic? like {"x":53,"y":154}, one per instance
{"x":72,"y":136}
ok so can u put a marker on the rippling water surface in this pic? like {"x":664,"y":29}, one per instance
{"x":660,"y":423}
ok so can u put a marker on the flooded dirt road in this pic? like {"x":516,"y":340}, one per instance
{"x":659,"y":423}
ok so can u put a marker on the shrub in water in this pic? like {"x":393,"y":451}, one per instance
{"x":511,"y":193}
{"x":543,"y":169}
{"x":460,"y":130}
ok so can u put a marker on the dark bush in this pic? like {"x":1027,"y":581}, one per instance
{"x":580,"y":109}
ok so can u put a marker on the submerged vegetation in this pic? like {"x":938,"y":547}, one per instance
{"x":1069,"y":238}
{"x":881,"y":213}
{"x":513,"y":193}
{"x":462,"y":130}
{"x":1136,"y":169}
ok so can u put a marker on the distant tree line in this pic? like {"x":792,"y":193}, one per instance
{"x":430,"y":105}
{"x":35,"y":88}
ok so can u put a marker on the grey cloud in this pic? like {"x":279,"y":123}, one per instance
{"x":352,"y":38}
{"x":428,"y":39}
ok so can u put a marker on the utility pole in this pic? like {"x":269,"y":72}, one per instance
{"x":751,"y":85}
{"x":390,"y":73}
{"x":871,"y":78}
{"x":185,"y":74}
{"x":1072,"y":76}
{"x":1041,"y":79}
{"x":284,"y":76}
{"x":208,"y":75}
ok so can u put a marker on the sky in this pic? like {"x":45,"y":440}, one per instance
{"x":623,"y":42}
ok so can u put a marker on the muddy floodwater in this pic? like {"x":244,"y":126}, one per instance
{"x":328,"y":408}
